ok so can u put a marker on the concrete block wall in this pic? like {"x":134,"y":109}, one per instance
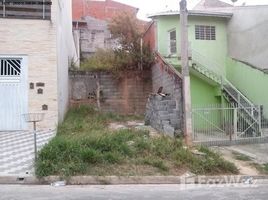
{"x":165,"y":113}
{"x":161,"y":114}
{"x":125,"y":95}
{"x":171,"y":83}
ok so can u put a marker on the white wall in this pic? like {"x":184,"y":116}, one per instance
{"x":66,"y":52}
{"x":248,"y":35}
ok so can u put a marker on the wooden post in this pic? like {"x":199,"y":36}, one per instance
{"x":98,"y":91}
{"x":185,"y":73}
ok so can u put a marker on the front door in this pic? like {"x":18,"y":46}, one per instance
{"x":13,"y":92}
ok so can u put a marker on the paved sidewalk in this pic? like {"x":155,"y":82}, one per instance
{"x":258,"y":152}
{"x":17,"y":151}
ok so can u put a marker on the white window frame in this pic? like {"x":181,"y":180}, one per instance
{"x":172,"y":43}
{"x":205,"y":32}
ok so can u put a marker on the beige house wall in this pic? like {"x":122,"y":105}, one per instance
{"x":49,"y":49}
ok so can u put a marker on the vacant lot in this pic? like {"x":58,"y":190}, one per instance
{"x":85,"y":146}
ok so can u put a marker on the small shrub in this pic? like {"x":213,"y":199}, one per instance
{"x":112,"y":157}
{"x":90,"y":155}
{"x":239,"y":156}
{"x":262,"y":168}
{"x":212,"y":163}
{"x":102,"y":60}
{"x":155,"y":163}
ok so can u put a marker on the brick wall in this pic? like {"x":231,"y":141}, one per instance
{"x":100,"y":9}
{"x":94,"y":36}
{"x":149,"y":36}
{"x":127,"y":95}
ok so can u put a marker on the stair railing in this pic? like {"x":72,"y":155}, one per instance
{"x":215,"y":68}
{"x":206,"y":63}
{"x":169,"y":66}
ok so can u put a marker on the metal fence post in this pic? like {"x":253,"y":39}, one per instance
{"x":259,"y":119}
{"x":44,"y":9}
{"x":234,"y":124}
{"x":4,"y":8}
{"x":35,"y":142}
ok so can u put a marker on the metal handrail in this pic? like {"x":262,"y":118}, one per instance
{"x":206,"y":63}
{"x":240,"y":94}
{"x":216,"y":69}
{"x":169,"y":65}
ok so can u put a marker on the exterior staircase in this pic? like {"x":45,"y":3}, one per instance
{"x":247,"y":112}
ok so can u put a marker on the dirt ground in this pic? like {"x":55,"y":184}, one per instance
{"x":245,"y":167}
{"x":134,"y":124}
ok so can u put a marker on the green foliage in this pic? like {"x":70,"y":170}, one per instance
{"x":129,"y":55}
{"x":102,"y":60}
{"x":84,"y":145}
{"x":262,"y":168}
{"x":212,"y":163}
{"x":239,"y":156}
{"x":155,"y":162}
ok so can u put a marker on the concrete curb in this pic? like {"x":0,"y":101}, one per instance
{"x":117,"y":180}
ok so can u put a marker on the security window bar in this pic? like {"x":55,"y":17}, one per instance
{"x":205,"y":32}
{"x":172,"y":42}
{"x":25,"y":9}
{"x":10,"y":67}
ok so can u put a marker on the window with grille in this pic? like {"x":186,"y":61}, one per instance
{"x":10,"y":69}
{"x":26,"y":9}
{"x":203,"y":32}
{"x":172,"y":42}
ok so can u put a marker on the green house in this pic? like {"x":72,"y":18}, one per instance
{"x":227,"y":56}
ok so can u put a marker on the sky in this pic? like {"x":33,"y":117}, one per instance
{"x":151,"y":6}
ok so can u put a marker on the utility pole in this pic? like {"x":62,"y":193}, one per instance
{"x":185,"y":73}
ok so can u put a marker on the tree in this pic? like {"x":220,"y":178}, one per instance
{"x":128,"y":31}
{"x":129,"y":54}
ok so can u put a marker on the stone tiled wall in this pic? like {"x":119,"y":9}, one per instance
{"x":36,"y":40}
{"x":125,"y":95}
{"x":48,"y":47}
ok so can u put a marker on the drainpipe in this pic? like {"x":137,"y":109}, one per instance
{"x":187,"y":118}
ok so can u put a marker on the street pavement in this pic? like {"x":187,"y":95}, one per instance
{"x":136,"y":192}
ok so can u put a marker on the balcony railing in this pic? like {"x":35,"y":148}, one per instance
{"x":25,"y":9}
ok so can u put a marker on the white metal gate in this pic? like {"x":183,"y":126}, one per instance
{"x":14,"y":92}
{"x":216,"y":125}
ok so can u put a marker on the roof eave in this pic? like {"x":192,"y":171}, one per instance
{"x":195,"y":13}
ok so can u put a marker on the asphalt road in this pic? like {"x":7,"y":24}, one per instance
{"x":135,"y":192}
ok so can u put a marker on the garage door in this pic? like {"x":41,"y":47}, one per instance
{"x":13,"y":93}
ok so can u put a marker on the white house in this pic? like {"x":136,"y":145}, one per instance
{"x":36,"y":49}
